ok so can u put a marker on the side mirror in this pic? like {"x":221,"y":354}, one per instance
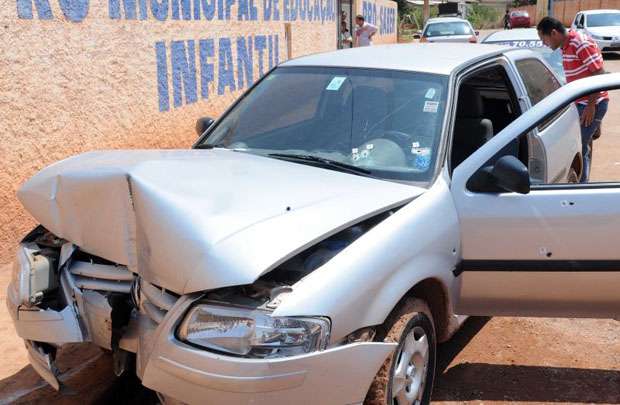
{"x":477,"y":33}
{"x":511,"y":174}
{"x":202,"y":124}
{"x":416,"y":35}
{"x":507,"y":174}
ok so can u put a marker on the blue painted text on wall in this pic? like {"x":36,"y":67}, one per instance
{"x":162,"y":10}
{"x":187,"y":69}
{"x":386,"y":20}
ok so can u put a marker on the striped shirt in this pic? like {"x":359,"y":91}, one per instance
{"x":581,"y":57}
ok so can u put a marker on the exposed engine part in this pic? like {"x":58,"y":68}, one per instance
{"x":261,"y":294}
{"x":316,"y":256}
{"x":361,"y":335}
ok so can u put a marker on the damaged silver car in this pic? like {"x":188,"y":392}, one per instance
{"x":319,"y":240}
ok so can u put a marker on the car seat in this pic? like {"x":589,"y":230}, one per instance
{"x":471,"y":128}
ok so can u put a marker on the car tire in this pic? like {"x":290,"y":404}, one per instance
{"x":572,"y":177}
{"x":406,"y":377}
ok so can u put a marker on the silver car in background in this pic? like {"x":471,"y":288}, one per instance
{"x":527,"y":38}
{"x":448,"y":29}
{"x":602,"y":25}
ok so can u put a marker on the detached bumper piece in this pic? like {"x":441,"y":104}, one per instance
{"x":43,"y":362}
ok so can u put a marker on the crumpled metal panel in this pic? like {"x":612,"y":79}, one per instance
{"x":192,"y":220}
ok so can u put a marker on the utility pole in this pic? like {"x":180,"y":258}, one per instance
{"x":542,"y":7}
{"x":427,"y":11}
{"x":550,"y":8}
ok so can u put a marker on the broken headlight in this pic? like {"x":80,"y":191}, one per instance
{"x":33,"y":274}
{"x":252,"y":332}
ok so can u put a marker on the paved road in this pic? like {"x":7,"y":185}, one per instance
{"x":502,"y":360}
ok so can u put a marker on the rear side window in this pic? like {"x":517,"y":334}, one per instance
{"x":539,"y":83}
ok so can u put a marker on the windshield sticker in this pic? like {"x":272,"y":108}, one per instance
{"x":431,"y":106}
{"x":336,"y":82}
{"x":422,"y":158}
{"x":415,"y":145}
{"x":430,"y":93}
{"x":370,"y":146}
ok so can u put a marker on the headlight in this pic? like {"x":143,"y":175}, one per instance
{"x":33,"y":274}
{"x":20,"y":276}
{"x":252,"y":332}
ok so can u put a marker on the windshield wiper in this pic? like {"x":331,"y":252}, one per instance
{"x":210,"y":146}
{"x":322,"y":162}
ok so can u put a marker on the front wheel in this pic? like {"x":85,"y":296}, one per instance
{"x":406,"y":377}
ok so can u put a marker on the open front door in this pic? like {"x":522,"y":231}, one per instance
{"x":554,"y":251}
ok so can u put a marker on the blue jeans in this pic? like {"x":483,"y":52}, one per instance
{"x":586,"y":137}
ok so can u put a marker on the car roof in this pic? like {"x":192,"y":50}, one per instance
{"x":445,"y":19}
{"x":440,"y":58}
{"x":607,"y":11}
{"x":523,"y":34}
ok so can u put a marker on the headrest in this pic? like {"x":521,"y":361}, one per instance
{"x":470,"y":103}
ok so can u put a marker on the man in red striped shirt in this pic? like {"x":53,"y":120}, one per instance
{"x":581,"y":58}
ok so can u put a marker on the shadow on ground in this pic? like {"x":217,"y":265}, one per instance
{"x":498,"y":382}
{"x":86,"y":378}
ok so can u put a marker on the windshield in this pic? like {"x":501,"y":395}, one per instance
{"x":519,"y":14}
{"x":387,"y":122}
{"x":603,"y":20}
{"x":448,"y":28}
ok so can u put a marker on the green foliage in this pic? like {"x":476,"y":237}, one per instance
{"x":415,"y":15}
{"x":518,"y":3}
{"x":481,"y":16}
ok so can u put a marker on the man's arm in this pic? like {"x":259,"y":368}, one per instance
{"x":591,"y":57}
{"x":372,"y":30}
{"x":588,"y":114}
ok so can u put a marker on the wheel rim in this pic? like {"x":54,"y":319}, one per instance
{"x":409,"y":375}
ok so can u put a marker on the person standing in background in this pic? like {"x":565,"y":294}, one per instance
{"x":345,"y":36}
{"x":364,"y":31}
{"x":581,"y":58}
{"x":507,"y":20}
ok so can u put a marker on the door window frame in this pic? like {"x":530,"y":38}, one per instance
{"x":514,"y":80}
{"x":547,"y":186}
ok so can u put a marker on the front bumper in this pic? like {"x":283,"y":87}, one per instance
{"x":43,"y":325}
{"x":340,"y":375}
{"x":608,"y":45}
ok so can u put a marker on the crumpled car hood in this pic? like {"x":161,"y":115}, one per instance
{"x":193,"y":220}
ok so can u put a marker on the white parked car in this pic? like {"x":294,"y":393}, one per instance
{"x":448,"y":29}
{"x":602,"y":25}
{"x":320,"y":239}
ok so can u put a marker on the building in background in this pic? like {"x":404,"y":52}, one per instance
{"x":79,"y":75}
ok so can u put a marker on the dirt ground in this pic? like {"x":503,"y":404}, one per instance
{"x":491,"y":361}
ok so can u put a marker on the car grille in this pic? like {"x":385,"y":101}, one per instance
{"x":101,"y":277}
{"x":155,"y":301}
